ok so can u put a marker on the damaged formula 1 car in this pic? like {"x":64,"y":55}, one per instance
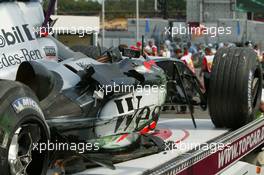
{"x":107,"y":107}
{"x":235,"y":87}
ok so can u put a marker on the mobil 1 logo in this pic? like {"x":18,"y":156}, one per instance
{"x":16,"y":35}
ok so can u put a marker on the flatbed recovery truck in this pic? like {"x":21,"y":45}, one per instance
{"x":202,"y":151}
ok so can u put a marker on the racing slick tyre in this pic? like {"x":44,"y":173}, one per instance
{"x":235,"y":87}
{"x":22,"y":127}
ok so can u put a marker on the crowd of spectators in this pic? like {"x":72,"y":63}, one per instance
{"x":191,"y":53}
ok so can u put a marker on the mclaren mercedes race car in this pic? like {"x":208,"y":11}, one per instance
{"x":235,"y":71}
{"x":77,"y":105}
{"x":61,"y":106}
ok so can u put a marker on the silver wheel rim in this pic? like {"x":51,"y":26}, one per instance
{"x":18,"y":161}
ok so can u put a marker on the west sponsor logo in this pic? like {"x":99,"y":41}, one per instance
{"x":24,"y":103}
{"x":129,"y":103}
{"x":140,"y":118}
{"x":16,"y":35}
{"x":16,"y":59}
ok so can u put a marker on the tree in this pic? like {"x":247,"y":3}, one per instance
{"x":118,"y":8}
{"x":75,"y":6}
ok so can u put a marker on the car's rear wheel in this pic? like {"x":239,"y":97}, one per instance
{"x":22,"y":129}
{"x":235,"y":87}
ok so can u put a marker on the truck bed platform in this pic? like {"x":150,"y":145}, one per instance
{"x":206,"y":150}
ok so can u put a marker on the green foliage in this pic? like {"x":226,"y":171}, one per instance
{"x":176,"y":5}
{"x":70,"y":6}
{"x":145,"y":5}
{"x":80,"y":5}
{"x":121,"y":7}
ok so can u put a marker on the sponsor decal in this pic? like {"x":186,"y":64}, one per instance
{"x":24,"y":54}
{"x":129,"y":103}
{"x":240,"y":147}
{"x":13,"y":36}
{"x":220,"y":159}
{"x":50,"y":51}
{"x":26,"y":103}
{"x":16,"y":35}
{"x":141,"y":117}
